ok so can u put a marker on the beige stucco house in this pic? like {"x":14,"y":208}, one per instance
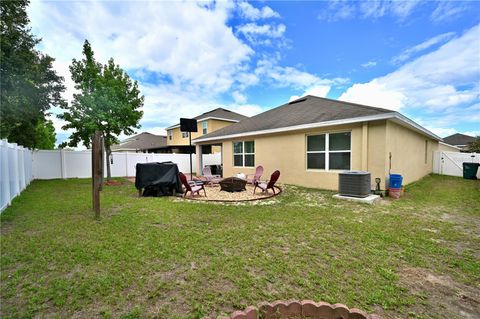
{"x":207,"y":122}
{"x":310,"y":140}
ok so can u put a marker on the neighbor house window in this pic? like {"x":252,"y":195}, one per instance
{"x":204,"y":127}
{"x":170,"y":133}
{"x":244,"y":154}
{"x":329,"y":151}
{"x":184,"y":134}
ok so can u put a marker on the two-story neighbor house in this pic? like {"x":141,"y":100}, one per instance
{"x":207,"y":122}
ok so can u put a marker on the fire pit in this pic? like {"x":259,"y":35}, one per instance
{"x":233,"y":184}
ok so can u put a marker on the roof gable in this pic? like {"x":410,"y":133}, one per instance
{"x":458,"y":139}
{"x":218,"y":114}
{"x":142,"y":141}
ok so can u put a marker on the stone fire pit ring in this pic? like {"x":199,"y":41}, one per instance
{"x":215,"y":194}
{"x":300,"y":309}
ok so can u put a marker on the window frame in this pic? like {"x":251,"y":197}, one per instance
{"x":243,"y":153}
{"x":327,"y":152}
{"x":170,"y":133}
{"x":184,"y":134}
{"x":204,"y":127}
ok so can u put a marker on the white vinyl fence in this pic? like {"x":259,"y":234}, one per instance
{"x":19,"y":166}
{"x":15,"y":171}
{"x":70,"y":164}
{"x":451,"y":163}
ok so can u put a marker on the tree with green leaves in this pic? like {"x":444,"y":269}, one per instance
{"x":45,"y":135}
{"x":474,"y":146}
{"x":107,"y":100}
{"x":29,"y":86}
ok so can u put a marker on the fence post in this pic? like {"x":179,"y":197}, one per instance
{"x":5,"y":174}
{"x":16,"y":182}
{"x":126,"y":164}
{"x":63,"y":168}
{"x":21,"y":168}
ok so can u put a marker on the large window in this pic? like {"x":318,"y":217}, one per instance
{"x":329,"y":151}
{"x":170,"y":133}
{"x":204,"y":127}
{"x":244,"y":154}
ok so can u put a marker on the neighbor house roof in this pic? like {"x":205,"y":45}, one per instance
{"x":217,"y":114}
{"x":142,"y":141}
{"x":308,"y":112}
{"x":458,"y":139}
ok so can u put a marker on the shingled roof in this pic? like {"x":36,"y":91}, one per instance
{"x":307,"y":112}
{"x":218,"y":113}
{"x":458,"y":139}
{"x":142,"y":141}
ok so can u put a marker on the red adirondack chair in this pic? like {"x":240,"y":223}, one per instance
{"x":208,"y":177}
{"x":190,"y":188}
{"x":268,"y":184}
{"x":256,"y":176}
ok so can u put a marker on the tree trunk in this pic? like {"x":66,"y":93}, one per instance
{"x":109,"y":153}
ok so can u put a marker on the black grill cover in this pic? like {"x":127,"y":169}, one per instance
{"x":158,"y":179}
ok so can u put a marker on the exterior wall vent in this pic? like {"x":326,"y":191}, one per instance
{"x":354,"y":183}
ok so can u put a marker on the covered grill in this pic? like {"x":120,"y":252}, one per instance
{"x":158,"y":179}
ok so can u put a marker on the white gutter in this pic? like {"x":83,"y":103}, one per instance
{"x":385,"y":116}
{"x":204,"y":119}
{"x":416,"y":126}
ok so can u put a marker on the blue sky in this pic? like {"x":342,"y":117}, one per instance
{"x":421,"y":58}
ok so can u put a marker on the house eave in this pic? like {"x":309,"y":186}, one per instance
{"x":386,"y":116}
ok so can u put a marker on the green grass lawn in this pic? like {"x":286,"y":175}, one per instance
{"x":418,"y":257}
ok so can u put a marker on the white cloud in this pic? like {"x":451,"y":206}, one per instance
{"x":338,"y":10}
{"x":369,"y":64}
{"x":246,"y":109}
{"x":375,"y":9}
{"x":250,"y":12}
{"x":205,"y":56}
{"x":447,"y":131}
{"x":157,"y":130}
{"x":291,"y":77}
{"x":188,"y":45}
{"x":403,"y":9}
{"x":375,"y":93}
{"x":472,"y":133}
{"x":442,"y":79}
{"x":441,"y":131}
{"x":422,"y":46}
{"x":262,"y":34}
{"x":239,"y":97}
{"x":320,"y":91}
{"x":448,"y":10}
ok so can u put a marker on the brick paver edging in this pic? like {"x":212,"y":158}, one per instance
{"x":300,"y":309}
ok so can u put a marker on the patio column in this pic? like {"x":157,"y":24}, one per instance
{"x":199,"y":160}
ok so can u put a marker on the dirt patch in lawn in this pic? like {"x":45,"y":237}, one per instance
{"x":117,"y":182}
{"x":443,"y":295}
